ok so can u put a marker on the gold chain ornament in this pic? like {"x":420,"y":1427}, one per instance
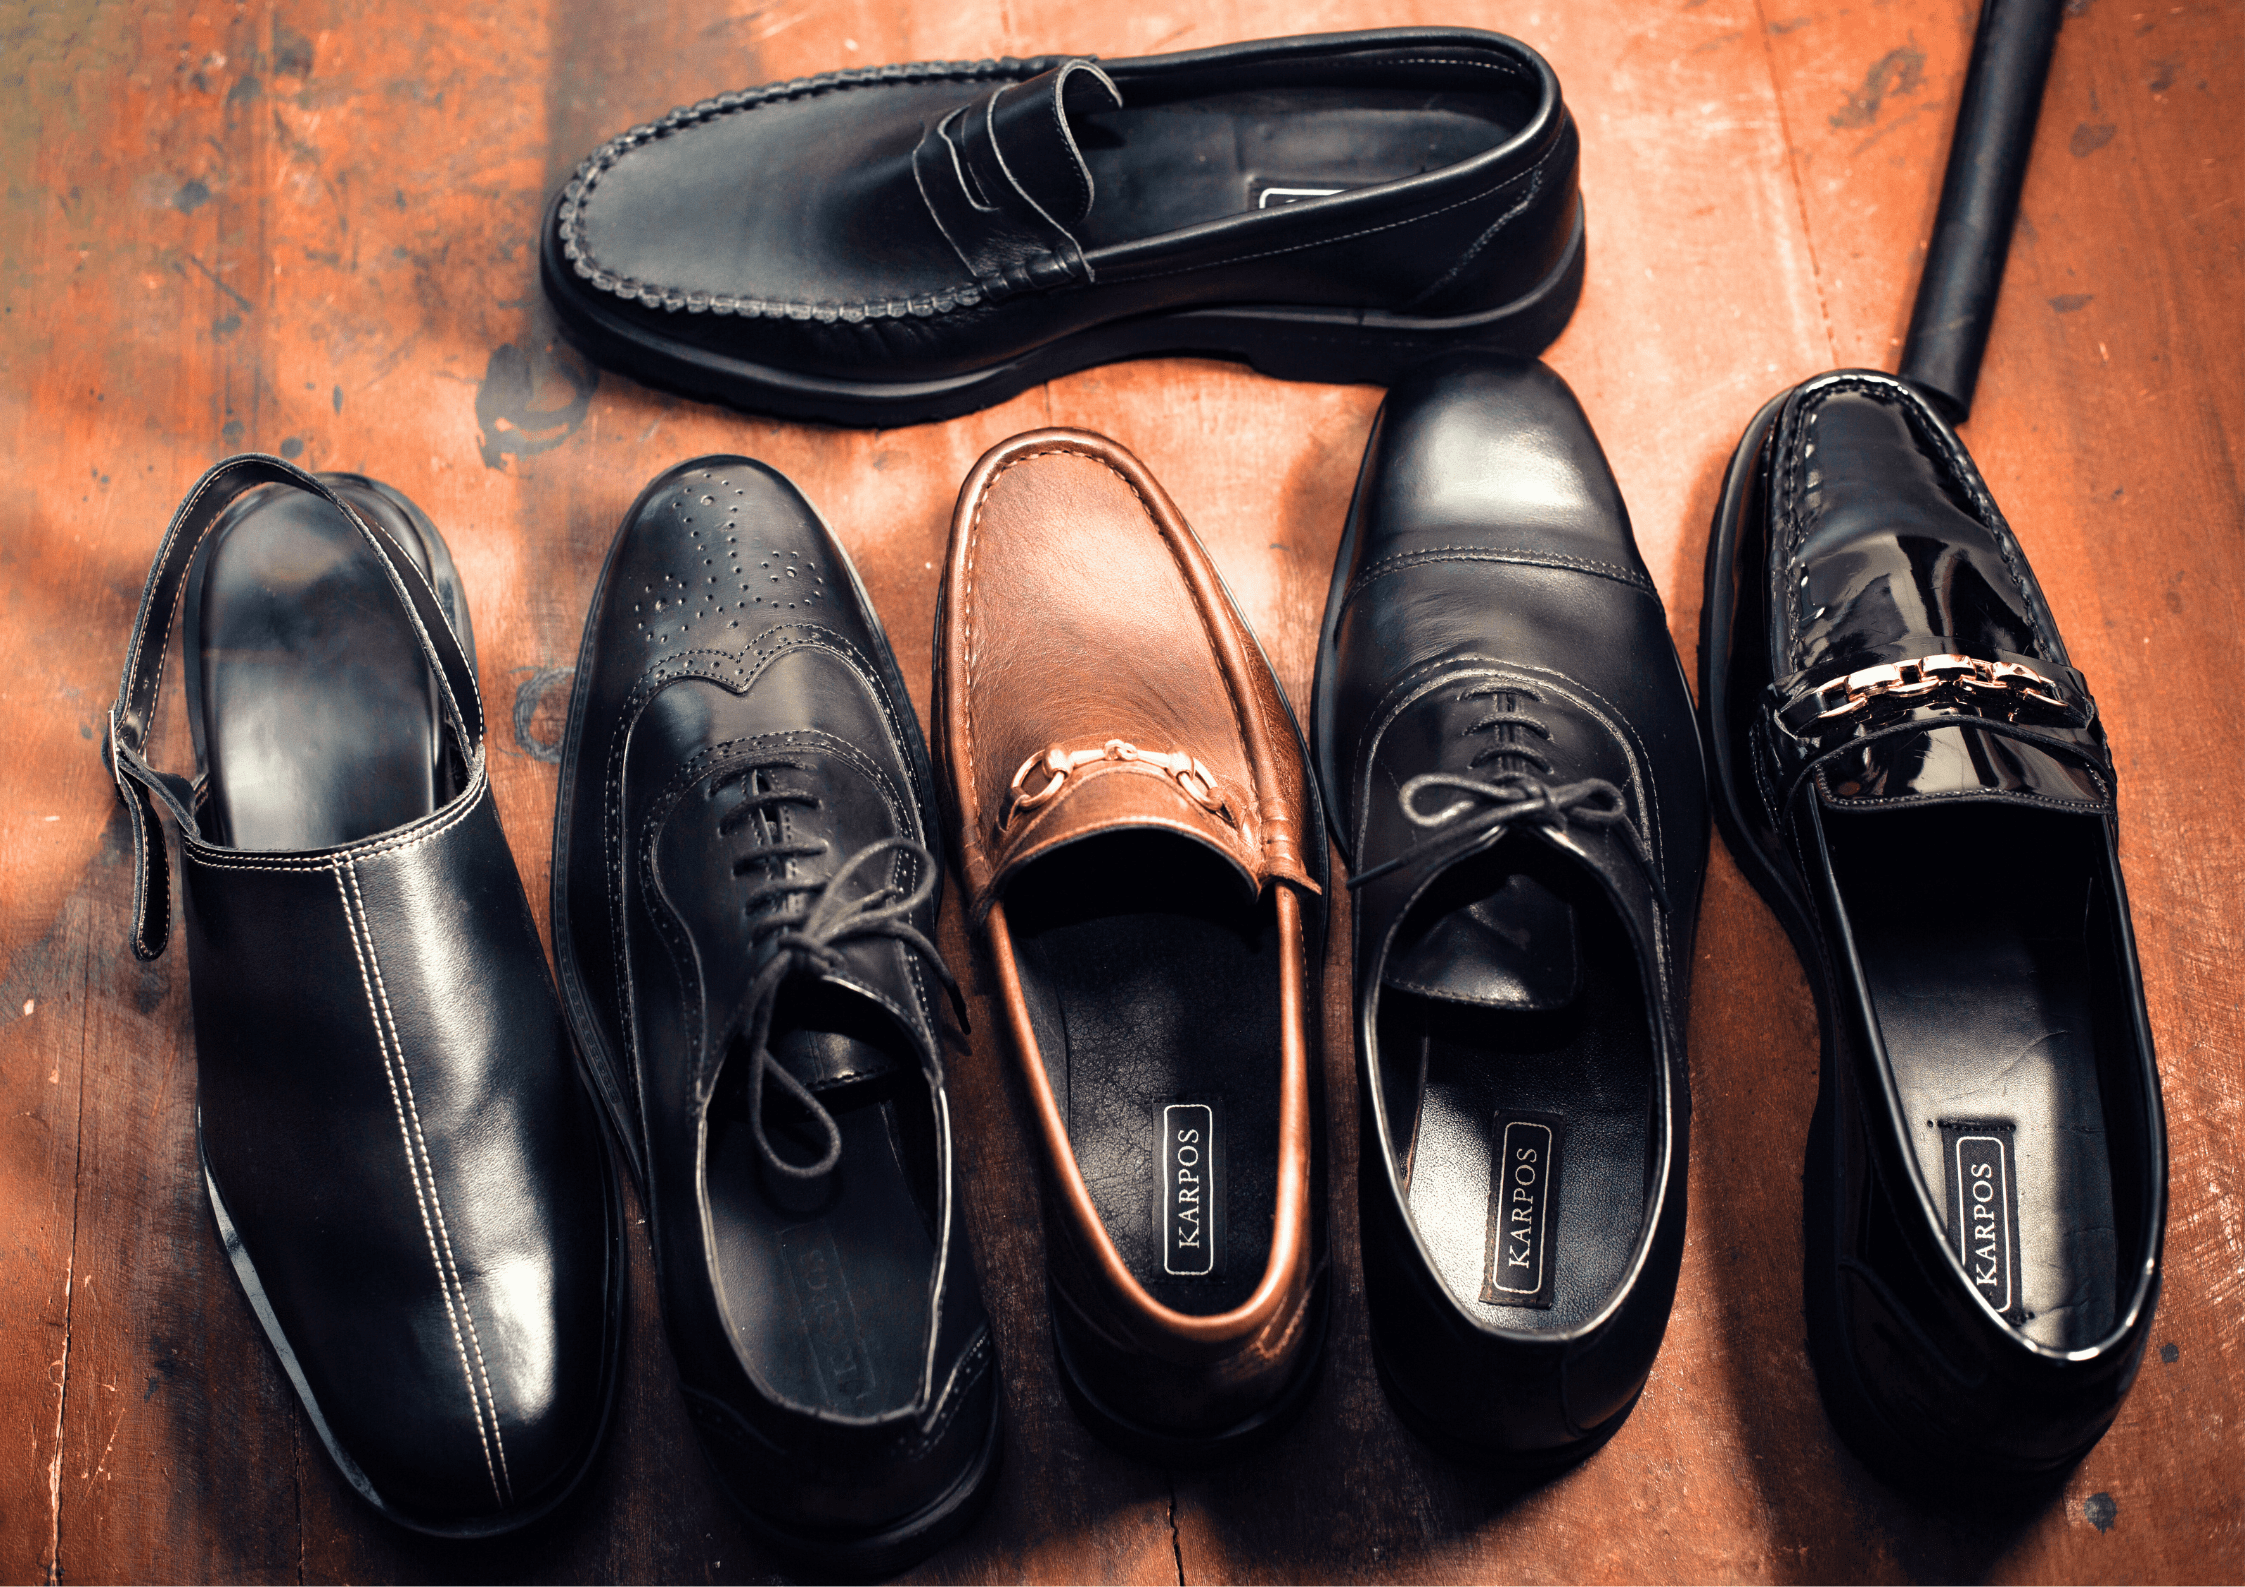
{"x":1907,"y":680}
{"x":1057,"y":764}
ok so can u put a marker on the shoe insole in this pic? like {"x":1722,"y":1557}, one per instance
{"x":319,"y":718}
{"x":1159,"y":167}
{"x":827,"y":1281}
{"x":1976,"y":928}
{"x":1526,"y":1134}
{"x":1153,"y":984}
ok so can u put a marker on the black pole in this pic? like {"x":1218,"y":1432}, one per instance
{"x":1979,"y":200}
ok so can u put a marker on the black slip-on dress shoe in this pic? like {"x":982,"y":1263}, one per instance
{"x":405,"y":1164}
{"x":1917,"y":783}
{"x":901,"y":243}
{"x":1505,"y":737}
{"x":745,"y":889}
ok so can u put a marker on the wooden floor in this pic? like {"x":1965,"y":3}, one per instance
{"x":307,"y":228}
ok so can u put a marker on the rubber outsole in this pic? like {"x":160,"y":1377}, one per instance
{"x":1338,"y":345}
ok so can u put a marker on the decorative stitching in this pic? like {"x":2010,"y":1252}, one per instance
{"x":1534,"y":173}
{"x":1961,"y":472}
{"x":1502,"y":221}
{"x":1401,"y":560}
{"x":361,"y":951}
{"x":444,"y":820}
{"x":578,"y":192}
{"x":436,"y":1198}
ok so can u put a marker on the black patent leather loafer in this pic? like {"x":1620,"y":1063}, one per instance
{"x":1917,"y":782}
{"x":1505,"y":737}
{"x":404,"y":1162}
{"x":745,"y":889}
{"x":901,"y":243}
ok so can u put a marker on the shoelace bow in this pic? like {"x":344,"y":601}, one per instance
{"x":809,"y":936}
{"x":1509,"y":798}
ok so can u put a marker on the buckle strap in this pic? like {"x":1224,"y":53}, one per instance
{"x":125,"y":742}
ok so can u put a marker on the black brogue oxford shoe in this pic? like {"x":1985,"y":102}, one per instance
{"x":745,"y":888}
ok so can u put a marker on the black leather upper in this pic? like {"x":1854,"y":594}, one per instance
{"x":738,"y":734}
{"x":1491,"y":620}
{"x":1945,"y":854}
{"x":918,"y":220}
{"x":406,"y":1168}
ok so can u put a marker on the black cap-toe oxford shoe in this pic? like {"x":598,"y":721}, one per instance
{"x":1506,"y":740}
{"x":745,"y":889}
{"x":1917,"y":783}
{"x":405,"y":1164}
{"x":899,"y":243}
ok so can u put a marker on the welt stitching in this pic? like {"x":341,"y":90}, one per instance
{"x":1533,"y":173}
{"x":359,"y":951}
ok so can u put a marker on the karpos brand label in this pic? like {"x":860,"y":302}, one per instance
{"x":1983,"y":1175}
{"x":1521,"y":1260}
{"x":1192,"y":1189}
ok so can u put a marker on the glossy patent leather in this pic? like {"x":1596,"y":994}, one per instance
{"x":1946,"y":861}
{"x":1504,"y":734}
{"x":1144,"y":857}
{"x":898,"y":243}
{"x":743,"y":893}
{"x":403,"y":1163}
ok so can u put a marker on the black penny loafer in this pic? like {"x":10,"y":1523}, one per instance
{"x":1917,"y":783}
{"x":901,"y":243}
{"x":405,"y":1165}
{"x":1504,"y":733}
{"x":744,"y":892}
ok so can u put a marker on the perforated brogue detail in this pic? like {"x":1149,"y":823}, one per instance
{"x":725,"y":570}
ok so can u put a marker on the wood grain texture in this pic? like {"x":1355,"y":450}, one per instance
{"x":307,"y":227}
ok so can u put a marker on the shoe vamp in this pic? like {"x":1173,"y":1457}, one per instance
{"x":809,"y":200}
{"x":810,"y":724}
{"x":1887,"y":551}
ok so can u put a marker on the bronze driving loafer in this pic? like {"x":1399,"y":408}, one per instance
{"x":1144,"y":856}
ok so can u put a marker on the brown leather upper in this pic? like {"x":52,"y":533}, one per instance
{"x":1092,"y":675}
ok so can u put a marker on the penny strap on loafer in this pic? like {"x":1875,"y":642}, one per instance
{"x":125,"y":742}
{"x":1004,"y":179}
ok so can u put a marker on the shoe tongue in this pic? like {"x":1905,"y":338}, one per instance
{"x":826,"y":1060}
{"x":1513,"y":948}
{"x":1027,"y":127}
{"x":1954,"y":763}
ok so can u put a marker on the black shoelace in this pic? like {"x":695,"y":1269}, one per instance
{"x":1508,"y":798}
{"x":805,"y":932}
